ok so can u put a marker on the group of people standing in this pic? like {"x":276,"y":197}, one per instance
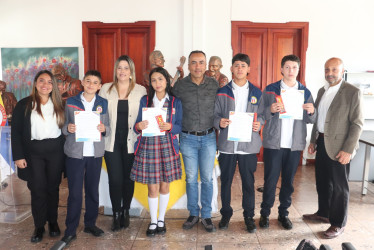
{"x":43,"y":132}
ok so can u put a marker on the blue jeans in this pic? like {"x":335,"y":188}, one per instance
{"x":198,"y":154}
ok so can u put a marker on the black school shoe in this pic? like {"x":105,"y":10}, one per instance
{"x":264,"y":221}
{"x":161,"y":230}
{"x":68,"y":238}
{"x":250,"y":224}
{"x":151,"y":232}
{"x":54,"y":230}
{"x":37,"y":235}
{"x":285,"y":222}
{"x":94,"y":230}
{"x":224,"y":223}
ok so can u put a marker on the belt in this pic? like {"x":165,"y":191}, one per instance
{"x":199,"y":133}
{"x":321,"y":134}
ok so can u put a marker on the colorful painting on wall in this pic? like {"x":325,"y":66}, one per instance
{"x":20,"y":65}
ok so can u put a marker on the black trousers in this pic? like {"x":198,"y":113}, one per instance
{"x":277,"y":161}
{"x":79,"y":171}
{"x":247,"y":166}
{"x":119,"y":164}
{"x":332,"y":186}
{"x":46,"y":163}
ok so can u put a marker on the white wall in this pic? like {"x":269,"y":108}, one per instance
{"x":336,"y":27}
{"x":341,"y":28}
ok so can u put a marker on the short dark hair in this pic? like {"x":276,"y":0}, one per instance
{"x":292,"y":58}
{"x":196,"y":52}
{"x":241,"y":57}
{"x":93,"y":73}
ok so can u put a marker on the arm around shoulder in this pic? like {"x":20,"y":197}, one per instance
{"x":177,"y":122}
{"x":143,"y":103}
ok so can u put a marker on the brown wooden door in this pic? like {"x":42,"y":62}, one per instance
{"x":103,"y":43}
{"x":266,"y":44}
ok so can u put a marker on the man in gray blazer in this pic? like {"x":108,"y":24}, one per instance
{"x":335,"y":137}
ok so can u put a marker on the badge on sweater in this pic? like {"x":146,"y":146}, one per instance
{"x":253,"y":100}
{"x":99,"y":109}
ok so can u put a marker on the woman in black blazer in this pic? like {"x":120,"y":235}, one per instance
{"x":37,"y":147}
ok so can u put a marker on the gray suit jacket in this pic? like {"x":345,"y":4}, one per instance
{"x":344,"y":121}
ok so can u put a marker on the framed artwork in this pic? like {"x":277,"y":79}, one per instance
{"x":20,"y":65}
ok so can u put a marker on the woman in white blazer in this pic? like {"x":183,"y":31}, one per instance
{"x":123,"y":95}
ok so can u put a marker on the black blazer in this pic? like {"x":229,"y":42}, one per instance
{"x":21,"y":136}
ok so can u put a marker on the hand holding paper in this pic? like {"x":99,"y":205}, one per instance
{"x":150,"y":115}
{"x":276,"y":107}
{"x":293,"y":100}
{"x":142,"y":125}
{"x":86,"y":126}
{"x":309,"y":107}
{"x":240,"y":128}
{"x":223,"y":123}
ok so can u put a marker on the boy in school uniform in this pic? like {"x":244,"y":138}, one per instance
{"x":239,"y":95}
{"x":283,"y":141}
{"x":83,"y":161}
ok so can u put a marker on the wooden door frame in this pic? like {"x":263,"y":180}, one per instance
{"x":86,"y":26}
{"x":236,"y":26}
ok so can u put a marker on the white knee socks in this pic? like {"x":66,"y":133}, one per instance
{"x":153,"y":204}
{"x":164,"y":200}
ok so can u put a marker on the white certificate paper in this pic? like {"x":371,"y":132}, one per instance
{"x":240,"y":128}
{"x":293,"y":100}
{"x":150,"y":114}
{"x":86,"y":123}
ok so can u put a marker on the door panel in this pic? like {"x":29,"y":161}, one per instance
{"x":134,"y":44}
{"x":254,"y":43}
{"x":285,"y":42}
{"x":103,"y":43}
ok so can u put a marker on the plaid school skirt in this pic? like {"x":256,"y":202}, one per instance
{"x":156,"y":162}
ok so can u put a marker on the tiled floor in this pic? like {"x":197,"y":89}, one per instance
{"x":359,"y":230}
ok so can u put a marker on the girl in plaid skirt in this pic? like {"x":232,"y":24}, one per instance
{"x":157,"y":161}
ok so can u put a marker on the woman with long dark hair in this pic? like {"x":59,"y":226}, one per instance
{"x":123,"y":95}
{"x":37,"y":146}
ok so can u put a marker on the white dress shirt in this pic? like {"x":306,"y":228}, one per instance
{"x":159,"y":103}
{"x":324,"y":104}
{"x":88,"y":146}
{"x":45,"y":127}
{"x":287,"y":124}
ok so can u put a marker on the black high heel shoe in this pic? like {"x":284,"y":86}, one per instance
{"x":37,"y":236}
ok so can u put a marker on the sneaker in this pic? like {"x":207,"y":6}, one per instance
{"x":285,"y":222}
{"x":264,"y":221}
{"x":250,"y":224}
{"x":224,"y":223}
{"x":208,"y":225}
{"x":190,"y":222}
